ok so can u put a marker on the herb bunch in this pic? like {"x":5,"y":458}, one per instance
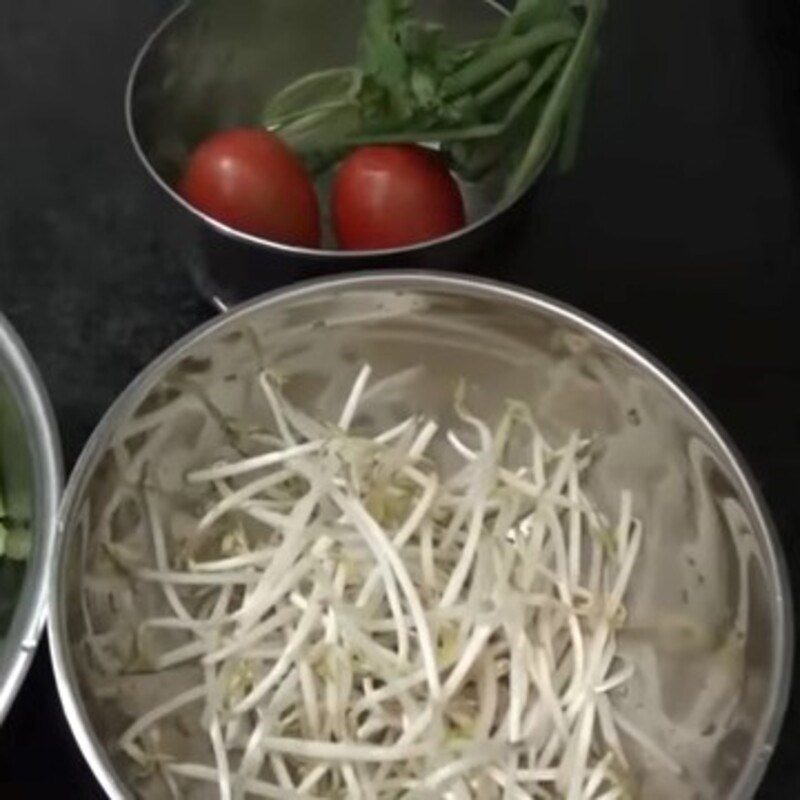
{"x":500,"y":104}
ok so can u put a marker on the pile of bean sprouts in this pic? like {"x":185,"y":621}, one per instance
{"x":349,"y":619}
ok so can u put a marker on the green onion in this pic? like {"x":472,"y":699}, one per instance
{"x":496,"y":105}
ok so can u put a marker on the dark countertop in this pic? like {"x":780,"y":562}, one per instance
{"x":680,"y":227}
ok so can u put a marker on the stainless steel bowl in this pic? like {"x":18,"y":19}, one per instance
{"x":211,"y":66}
{"x":30,"y":471}
{"x":506,"y":343}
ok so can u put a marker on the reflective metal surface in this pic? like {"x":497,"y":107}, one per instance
{"x":699,"y":502}
{"x":211,"y":66}
{"x":30,"y":477}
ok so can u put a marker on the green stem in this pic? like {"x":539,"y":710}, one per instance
{"x":443,"y":136}
{"x":306,"y":122}
{"x":557,"y":104}
{"x":316,"y":112}
{"x":546,"y":71}
{"x":501,"y":58}
{"x":539,"y":79}
{"x":519,"y":73}
{"x":316,"y":91}
{"x":573,"y":126}
{"x":515,"y":24}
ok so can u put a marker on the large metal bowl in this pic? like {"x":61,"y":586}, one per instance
{"x":507,"y":343}
{"x":211,"y":66}
{"x":30,"y":470}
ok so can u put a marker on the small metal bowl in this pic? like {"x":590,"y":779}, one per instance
{"x":211,"y":66}
{"x":506,"y":343}
{"x":30,"y":475}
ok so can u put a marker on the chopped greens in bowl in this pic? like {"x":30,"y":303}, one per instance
{"x":15,"y":533}
{"x":30,"y":482}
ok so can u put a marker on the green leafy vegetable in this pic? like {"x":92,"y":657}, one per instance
{"x":15,"y":542}
{"x":497,"y":104}
{"x":15,"y":545}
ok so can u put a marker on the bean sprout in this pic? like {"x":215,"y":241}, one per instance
{"x":365,"y":626}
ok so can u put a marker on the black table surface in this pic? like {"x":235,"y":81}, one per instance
{"x":680,"y":226}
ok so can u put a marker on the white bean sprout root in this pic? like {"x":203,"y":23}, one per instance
{"x":360,"y":625}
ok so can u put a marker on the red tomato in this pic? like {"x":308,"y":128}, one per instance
{"x":250,"y":180}
{"x":394,"y":196}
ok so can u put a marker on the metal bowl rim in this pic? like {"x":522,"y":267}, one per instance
{"x":319,"y":254}
{"x":765,"y":737}
{"x":42,"y":433}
